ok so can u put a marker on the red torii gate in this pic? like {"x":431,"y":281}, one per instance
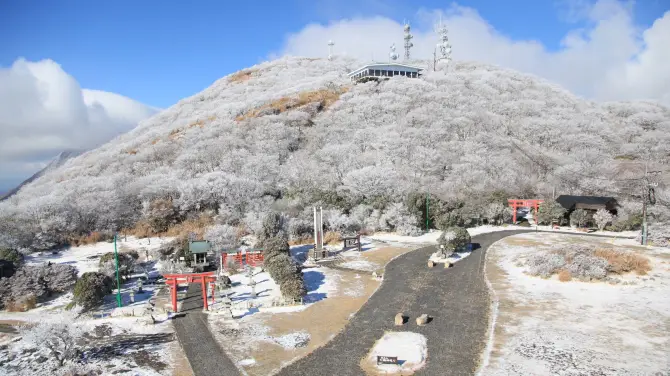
{"x":173,"y":280}
{"x":514,"y":203}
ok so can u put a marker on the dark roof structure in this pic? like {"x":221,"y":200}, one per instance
{"x":587,"y":202}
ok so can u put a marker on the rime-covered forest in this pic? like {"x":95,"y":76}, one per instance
{"x":287,"y":134}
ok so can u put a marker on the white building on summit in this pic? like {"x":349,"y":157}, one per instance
{"x":385,"y":70}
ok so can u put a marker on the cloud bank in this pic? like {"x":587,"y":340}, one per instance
{"x":610,"y":59}
{"x":44,"y":111}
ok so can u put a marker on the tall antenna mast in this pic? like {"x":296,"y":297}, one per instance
{"x":408,"y":40}
{"x":444,"y":47}
{"x":330,"y":49}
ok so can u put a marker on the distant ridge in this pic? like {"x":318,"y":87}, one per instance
{"x":60,"y":159}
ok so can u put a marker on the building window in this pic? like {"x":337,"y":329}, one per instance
{"x":371,"y":72}
{"x":402,"y":73}
{"x":396,"y":73}
{"x":377,"y":73}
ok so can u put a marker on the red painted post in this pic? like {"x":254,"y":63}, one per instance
{"x":514,"y":212}
{"x":204,"y":292}
{"x":173,"y":294}
{"x":213,"y":292}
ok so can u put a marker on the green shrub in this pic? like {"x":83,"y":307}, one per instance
{"x":549,"y":212}
{"x":107,"y":264}
{"x":632,"y":223}
{"x":10,"y":254}
{"x":282,"y":268}
{"x":91,"y":288}
{"x":460,"y":237}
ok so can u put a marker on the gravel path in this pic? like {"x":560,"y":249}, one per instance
{"x":457,"y":299}
{"x":203,"y":352}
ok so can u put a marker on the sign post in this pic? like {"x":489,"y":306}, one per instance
{"x":353,"y":242}
{"x":387,"y":359}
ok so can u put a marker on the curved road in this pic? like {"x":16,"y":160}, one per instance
{"x":457,"y":299}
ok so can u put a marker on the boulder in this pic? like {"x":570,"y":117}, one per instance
{"x":431,"y":264}
{"x":399,"y":319}
{"x":422,"y":320}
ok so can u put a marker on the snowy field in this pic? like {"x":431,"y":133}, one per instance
{"x":86,"y":257}
{"x":410,"y":349}
{"x":431,"y":237}
{"x":122,"y":341}
{"x":544,"y":326}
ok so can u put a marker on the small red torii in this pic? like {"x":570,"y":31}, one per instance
{"x":515,"y":203}
{"x":173,"y":280}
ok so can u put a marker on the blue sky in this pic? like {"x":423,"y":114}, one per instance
{"x":158,"y":52}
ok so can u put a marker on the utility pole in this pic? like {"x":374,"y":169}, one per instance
{"x":118,"y":283}
{"x":427,"y":212}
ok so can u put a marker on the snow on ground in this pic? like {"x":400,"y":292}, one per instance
{"x":544,"y":326}
{"x":320,"y":283}
{"x":455,"y":257}
{"x":431,"y":237}
{"x":360,"y":265}
{"x":409,"y":347}
{"x":87,"y":257}
{"x":130,"y":320}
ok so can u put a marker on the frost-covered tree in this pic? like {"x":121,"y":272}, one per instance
{"x":60,"y":340}
{"x":549,"y":212}
{"x":398,"y":218}
{"x":40,"y":281}
{"x":107,"y":264}
{"x":222,"y":237}
{"x":494,"y":213}
{"x":579,"y":217}
{"x":274,"y":225}
{"x":274,"y":132}
{"x":602,"y":218}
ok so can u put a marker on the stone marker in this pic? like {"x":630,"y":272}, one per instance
{"x":399,"y":319}
{"x":431,"y":264}
{"x":447,"y":265}
{"x":422,"y":320}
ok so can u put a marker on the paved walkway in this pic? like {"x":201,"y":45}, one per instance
{"x":457,"y":299}
{"x":203,"y":352}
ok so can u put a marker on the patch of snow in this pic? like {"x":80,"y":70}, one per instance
{"x":455,"y":257}
{"x":246,"y":362}
{"x":87,"y":257}
{"x":293,"y":340}
{"x":410,"y":348}
{"x":432,"y":236}
{"x":360,"y":265}
{"x":585,"y":327}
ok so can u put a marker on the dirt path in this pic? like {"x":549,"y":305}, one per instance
{"x":457,"y":299}
{"x":203,"y":352}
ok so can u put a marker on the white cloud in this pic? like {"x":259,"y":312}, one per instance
{"x":44,"y":111}
{"x":611,"y":59}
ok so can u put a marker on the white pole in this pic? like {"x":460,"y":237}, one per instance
{"x":316,"y":235}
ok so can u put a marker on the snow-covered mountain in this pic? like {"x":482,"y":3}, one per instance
{"x":295,"y":131}
{"x":60,"y":159}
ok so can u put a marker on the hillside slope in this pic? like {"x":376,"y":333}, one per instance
{"x":299,"y":130}
{"x":54,"y":164}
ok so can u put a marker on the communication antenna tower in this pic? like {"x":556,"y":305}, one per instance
{"x":408,"y":40}
{"x":444,"y":47}
{"x":330,"y":49}
{"x":393,"y":55}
